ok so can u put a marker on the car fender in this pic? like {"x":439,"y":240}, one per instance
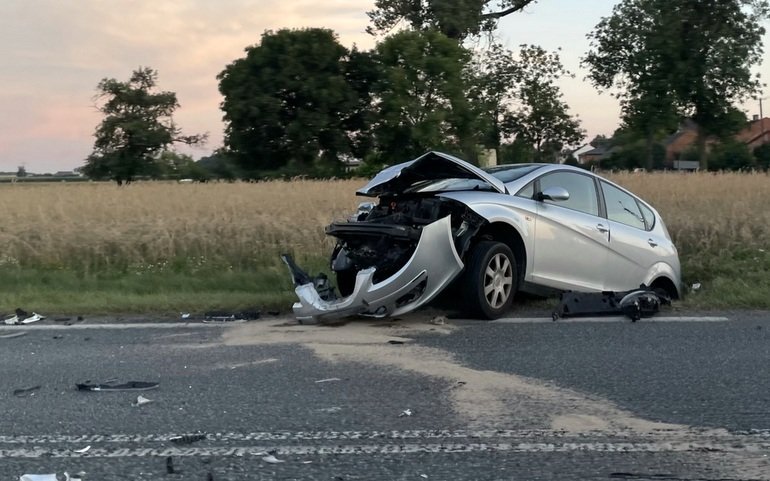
{"x":662,"y":269}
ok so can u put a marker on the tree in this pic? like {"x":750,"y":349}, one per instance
{"x":762,"y":156}
{"x":456,"y":19}
{"x":674,"y":58}
{"x":138,"y":124}
{"x":731,"y":155}
{"x":290,"y":102}
{"x":542,"y":118}
{"x":21,"y":171}
{"x":421,"y":100}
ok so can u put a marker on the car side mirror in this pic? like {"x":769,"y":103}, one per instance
{"x":555,"y":194}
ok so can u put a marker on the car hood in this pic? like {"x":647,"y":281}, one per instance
{"x":431,"y":166}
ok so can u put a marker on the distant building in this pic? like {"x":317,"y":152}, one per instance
{"x":577,"y":153}
{"x":756,"y":133}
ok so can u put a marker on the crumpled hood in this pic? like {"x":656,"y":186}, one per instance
{"x":430,"y":166}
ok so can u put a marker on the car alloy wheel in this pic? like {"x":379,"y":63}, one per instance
{"x":498,"y":280}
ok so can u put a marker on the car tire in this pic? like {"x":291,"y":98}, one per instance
{"x":489,"y":281}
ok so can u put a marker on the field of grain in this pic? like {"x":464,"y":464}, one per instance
{"x":720,"y":223}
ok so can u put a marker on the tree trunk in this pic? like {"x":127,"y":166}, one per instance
{"x":648,"y":163}
{"x":700,"y":143}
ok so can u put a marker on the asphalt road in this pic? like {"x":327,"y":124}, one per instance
{"x":462,"y":400}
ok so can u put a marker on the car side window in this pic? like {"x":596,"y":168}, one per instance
{"x":622,"y":207}
{"x":649,"y":217}
{"x":528,"y":191}
{"x":581,"y":188}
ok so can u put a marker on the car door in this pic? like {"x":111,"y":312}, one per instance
{"x":632,"y":248}
{"x":571,"y":239}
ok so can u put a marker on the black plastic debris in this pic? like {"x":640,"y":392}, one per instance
{"x":27,"y":391}
{"x":127,"y":386}
{"x":188,"y":438}
{"x":636,"y":304}
{"x":321,"y":282}
{"x":393,"y":341}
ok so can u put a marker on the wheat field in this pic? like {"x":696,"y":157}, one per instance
{"x":90,"y":227}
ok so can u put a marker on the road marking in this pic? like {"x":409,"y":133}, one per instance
{"x":380,"y":442}
{"x":406,"y":448}
{"x":624,"y":319}
{"x":133,"y":325}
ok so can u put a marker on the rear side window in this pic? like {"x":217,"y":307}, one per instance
{"x":649,"y":216}
{"x":581,"y":188}
{"x":622,"y":207}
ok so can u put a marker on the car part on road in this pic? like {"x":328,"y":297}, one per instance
{"x":405,"y":413}
{"x":141,"y":401}
{"x":83,"y":450}
{"x":642,"y":302}
{"x":272,"y":459}
{"x":188,"y":438}
{"x":38,"y":477}
{"x":331,"y":379}
{"x":224,"y":316}
{"x":27,"y":391}
{"x":128,"y":386}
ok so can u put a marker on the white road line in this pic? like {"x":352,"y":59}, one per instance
{"x":569,"y":320}
{"x":408,"y":448}
{"x":132,"y":325}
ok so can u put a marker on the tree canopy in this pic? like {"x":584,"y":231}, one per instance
{"x":457,"y":19}
{"x":290,"y":101}
{"x":679,"y":58}
{"x":138,"y":125}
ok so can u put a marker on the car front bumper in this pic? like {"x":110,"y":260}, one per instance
{"x":432,"y":266}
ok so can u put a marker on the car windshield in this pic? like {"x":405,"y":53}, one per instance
{"x":509,"y":173}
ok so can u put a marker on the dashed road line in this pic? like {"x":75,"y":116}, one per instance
{"x":607,"y":319}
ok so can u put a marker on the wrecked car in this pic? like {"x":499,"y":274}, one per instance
{"x":441,"y":223}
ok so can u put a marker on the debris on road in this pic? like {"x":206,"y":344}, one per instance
{"x":393,"y":341}
{"x":695,"y":286}
{"x":405,"y":413}
{"x":128,"y":386}
{"x":272,"y":459}
{"x":438,"y":321}
{"x":642,"y":302}
{"x":27,"y":391}
{"x":22,"y":317}
{"x":188,"y":438}
{"x":13,"y":334}
{"x":83,"y":450}
{"x":185,"y":315}
{"x":224,"y":316}
{"x":141,"y":401}
{"x":331,"y":410}
{"x":38,"y":477}
{"x":331,"y":379}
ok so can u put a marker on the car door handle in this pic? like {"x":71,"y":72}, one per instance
{"x":602,"y":229}
{"x":652,"y":243}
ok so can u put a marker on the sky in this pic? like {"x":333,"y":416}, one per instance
{"x":55,"y":52}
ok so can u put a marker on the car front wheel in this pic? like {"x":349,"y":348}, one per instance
{"x":490,"y":280}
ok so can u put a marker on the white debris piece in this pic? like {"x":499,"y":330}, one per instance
{"x":38,"y":477}
{"x":406,"y":412}
{"x":140,"y":401}
{"x":272,"y":459}
{"x":84,"y":450}
{"x":33,"y":318}
{"x":185,"y":315}
{"x":12,"y":320}
{"x":331,"y":379}
{"x":696,"y":286}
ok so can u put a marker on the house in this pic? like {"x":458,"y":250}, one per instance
{"x":597,"y":154}
{"x":756,"y":133}
{"x":577,"y":153}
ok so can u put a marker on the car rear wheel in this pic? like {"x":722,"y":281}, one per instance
{"x":490,"y":280}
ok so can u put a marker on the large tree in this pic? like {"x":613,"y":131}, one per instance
{"x":519,"y":98}
{"x":421,"y":100}
{"x":456,"y":19}
{"x":291,"y":101}
{"x":137,"y":126}
{"x":669,"y":58}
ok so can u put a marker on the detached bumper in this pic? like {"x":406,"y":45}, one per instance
{"x":430,"y":269}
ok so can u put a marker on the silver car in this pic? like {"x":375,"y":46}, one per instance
{"x":440,"y":221}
